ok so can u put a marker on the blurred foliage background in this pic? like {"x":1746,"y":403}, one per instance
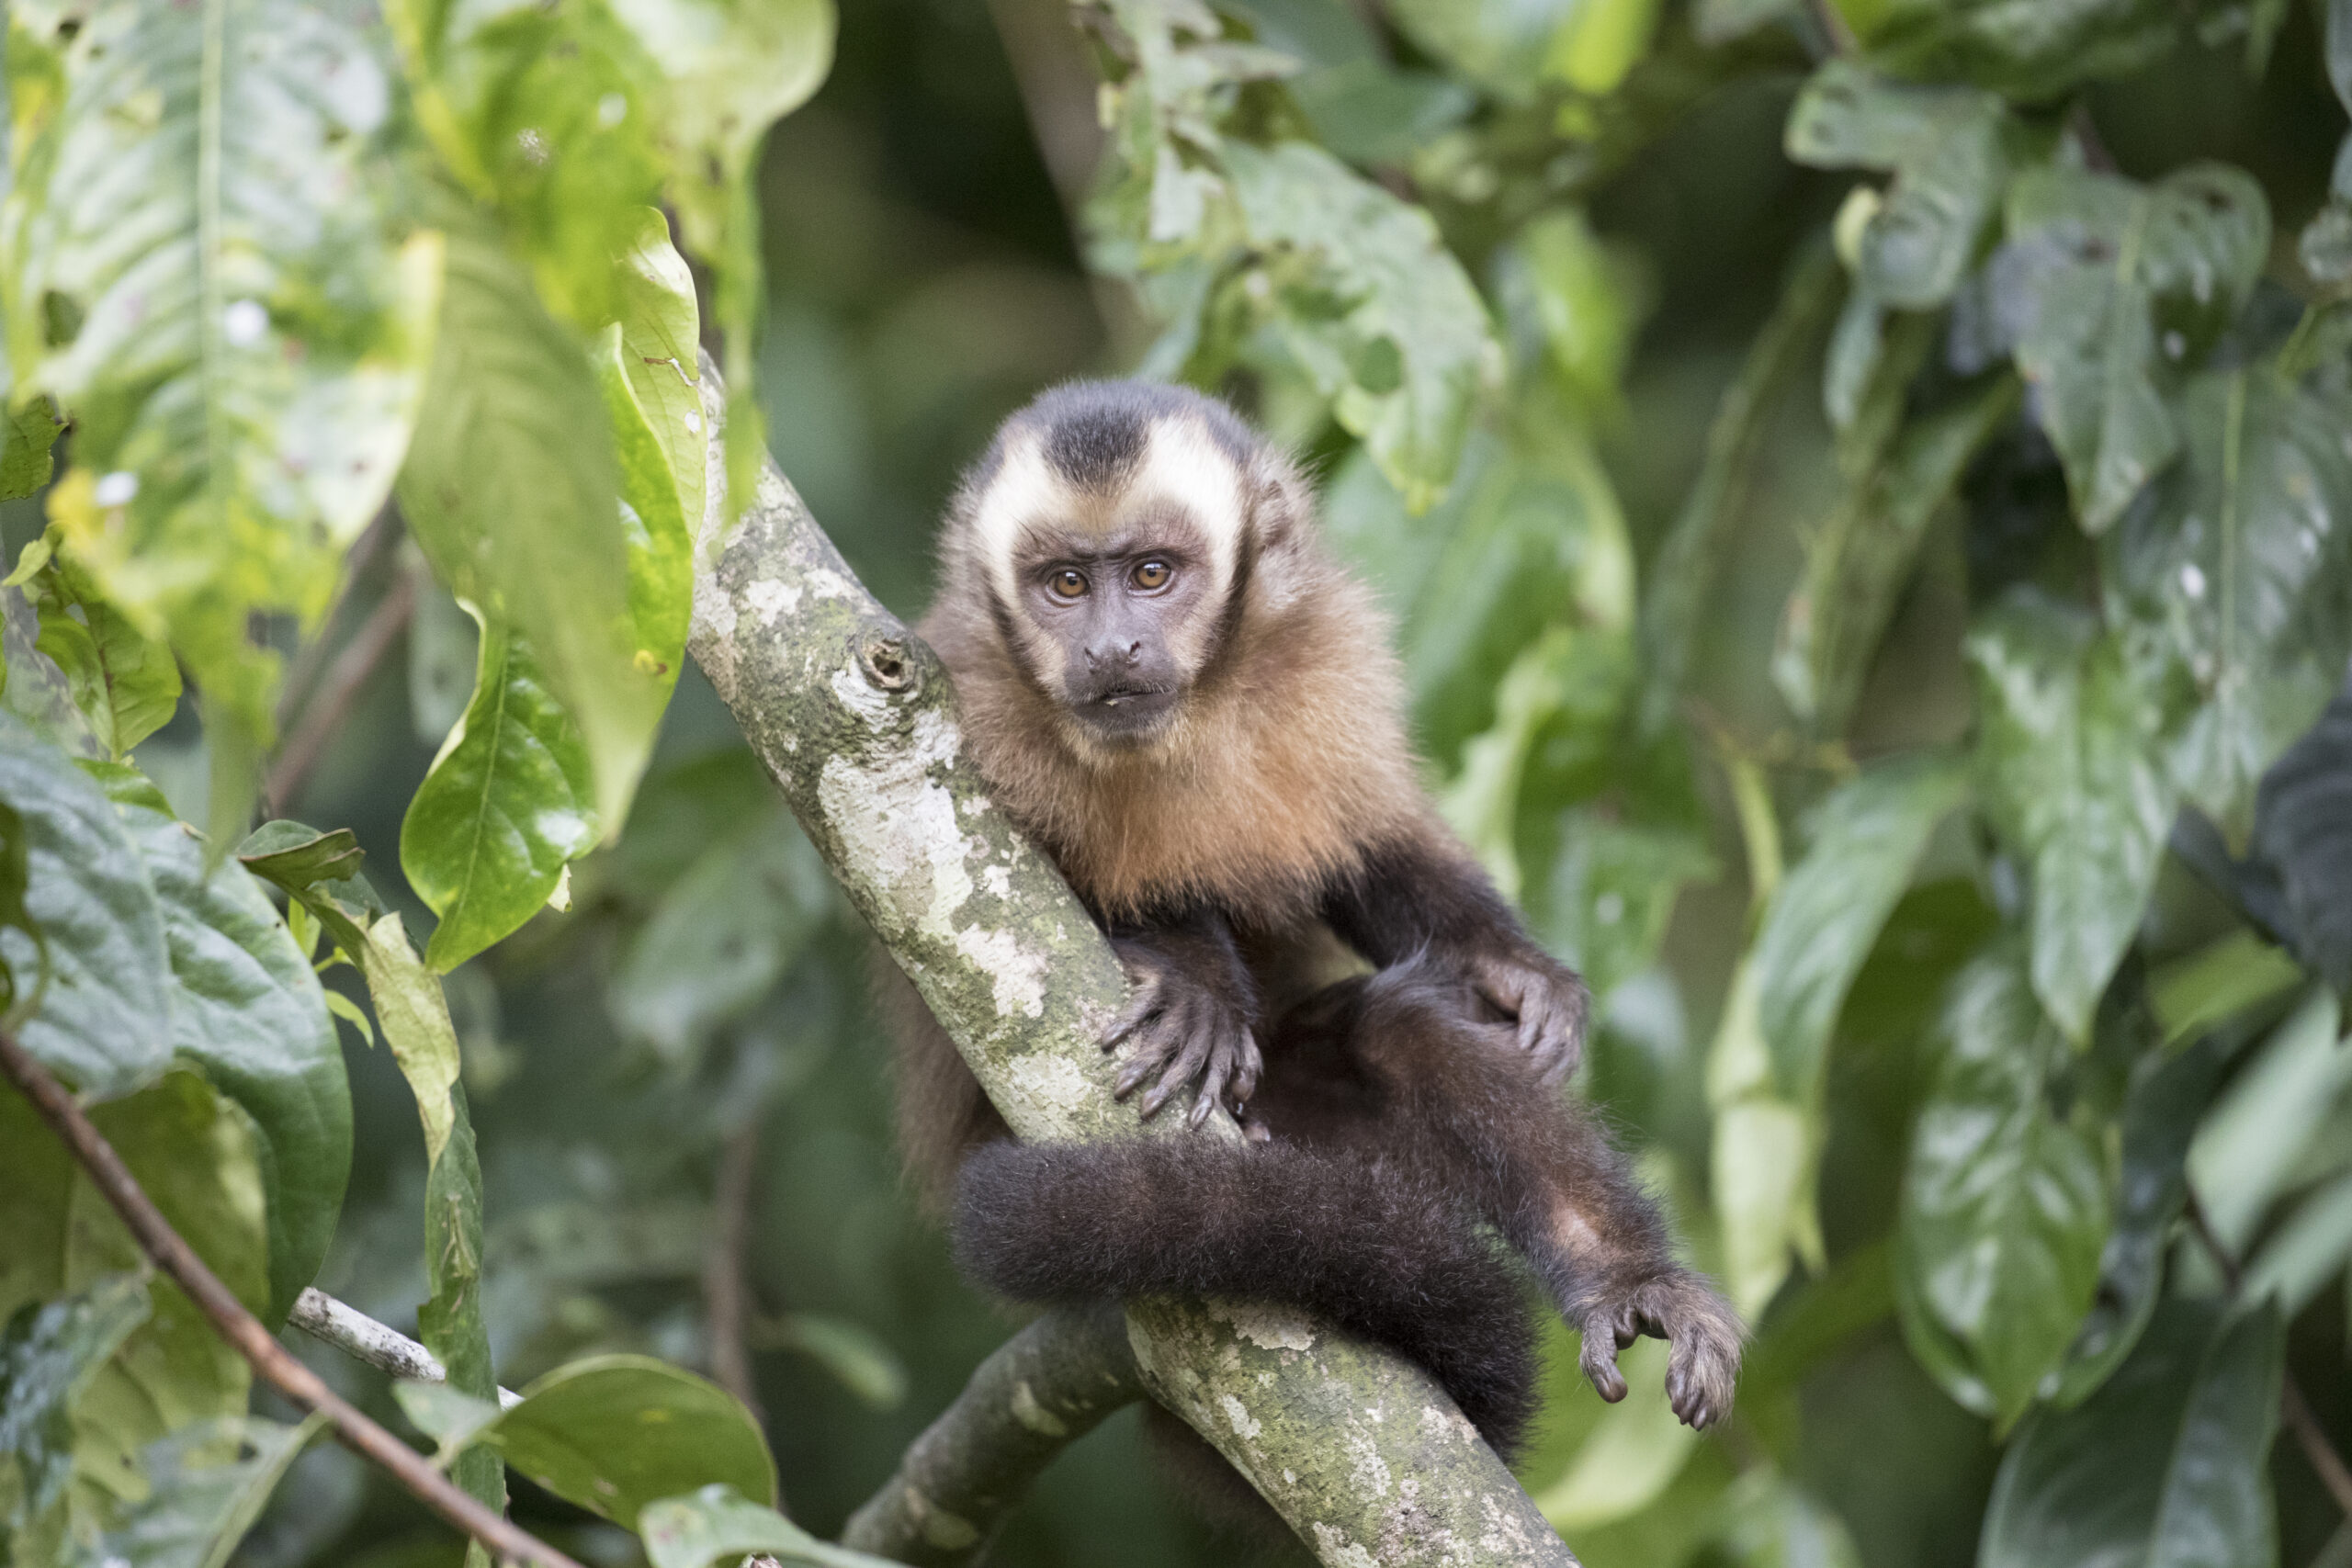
{"x":1764,"y":633}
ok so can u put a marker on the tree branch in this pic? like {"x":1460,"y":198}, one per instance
{"x":243,"y":1331}
{"x":1359,"y":1449}
{"x":724,"y":1292}
{"x":379,"y":1345}
{"x":338,"y":688}
{"x":1043,"y":1390}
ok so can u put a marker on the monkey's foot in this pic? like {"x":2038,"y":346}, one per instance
{"x":1546,"y":999}
{"x":1185,"y":1032}
{"x":1684,"y":1310}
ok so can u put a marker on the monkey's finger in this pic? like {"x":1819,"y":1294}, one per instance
{"x":1140,"y":1008}
{"x":1599,"y":1363}
{"x":1251,"y":1064}
{"x":1153,"y":1049}
{"x":1179,"y":1072}
{"x":1212,"y":1088}
{"x":1533,"y":1006}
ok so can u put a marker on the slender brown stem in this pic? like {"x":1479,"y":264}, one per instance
{"x":724,"y":1292}
{"x":364,"y":551}
{"x":2296,"y":1410}
{"x":244,"y":1332}
{"x":324,"y":714}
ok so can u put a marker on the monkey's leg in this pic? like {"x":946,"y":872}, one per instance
{"x":1462,"y":1103}
{"x":1193,"y":1015}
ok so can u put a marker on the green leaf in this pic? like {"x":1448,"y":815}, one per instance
{"x":2168,"y":1093}
{"x":48,"y":1355}
{"x":126,"y":684}
{"x":101,"y":970}
{"x":509,"y":487}
{"x":198,"y":1511}
{"x":451,"y":1419}
{"x":2032,"y":53}
{"x":855,"y":1356}
{"x":1586,"y":299}
{"x":1859,"y":563}
{"x":2303,"y":825}
{"x":1946,"y":147}
{"x":660,"y":539}
{"x":414,"y":1017}
{"x":1501,"y":45}
{"x":2248,"y":1145}
{"x":2068,"y":749}
{"x":1632,"y":1455}
{"x":1393,"y":283}
{"x":506,"y":806}
{"x":732,"y":68}
{"x":207,"y":266}
{"x":615,"y":1433}
{"x":2005,"y":1206}
{"x":2240,"y":970}
{"x":450,"y":1323}
{"x":2164,"y":1466}
{"x":1827,"y":912}
{"x":25,"y":466}
{"x":1772,"y":1523}
{"x":2107,"y":290}
{"x":2235,"y":583}
{"x":717,"y":1524}
{"x":721,"y":935}
{"x":1612,"y":891}
{"x":248,"y":1012}
{"x":661,"y":338}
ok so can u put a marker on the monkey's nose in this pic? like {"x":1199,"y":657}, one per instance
{"x":1102,"y":653}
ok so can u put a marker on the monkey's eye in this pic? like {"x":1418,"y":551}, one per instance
{"x":1152,"y":574}
{"x":1067,"y":584}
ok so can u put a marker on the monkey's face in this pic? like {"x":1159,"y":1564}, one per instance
{"x":1111,"y":580}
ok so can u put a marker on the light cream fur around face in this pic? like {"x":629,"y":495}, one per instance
{"x":1286,"y":761}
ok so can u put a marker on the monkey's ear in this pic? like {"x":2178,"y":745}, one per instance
{"x":1282,"y":503}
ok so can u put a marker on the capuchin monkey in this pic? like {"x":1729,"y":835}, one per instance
{"x":1173,"y":689}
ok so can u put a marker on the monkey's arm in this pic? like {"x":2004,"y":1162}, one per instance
{"x":1194,"y":1014}
{"x":1424,"y":895}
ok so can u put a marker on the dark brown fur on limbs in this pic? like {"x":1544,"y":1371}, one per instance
{"x":1173,"y":689}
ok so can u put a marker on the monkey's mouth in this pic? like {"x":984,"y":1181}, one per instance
{"x":1126,"y":709}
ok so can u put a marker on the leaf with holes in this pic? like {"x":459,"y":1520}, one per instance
{"x":2108,"y":290}
{"x":507,"y":804}
{"x":2233,"y":583}
{"x":205,"y":264}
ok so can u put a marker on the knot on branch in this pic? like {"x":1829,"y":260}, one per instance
{"x":884,"y":660}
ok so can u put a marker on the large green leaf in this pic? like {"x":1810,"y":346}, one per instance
{"x":126,"y":683}
{"x":511,"y":488}
{"x":2005,"y":1205}
{"x":208,"y":1486}
{"x":450,"y":1323}
{"x":506,"y":806}
{"x":2236,"y":581}
{"x":1947,"y":149}
{"x":204,"y":264}
{"x":2251,"y":1140}
{"x":1827,"y":912}
{"x":2107,"y":290}
{"x":248,"y":1013}
{"x":660,"y":339}
{"x":2164,"y":1467}
{"x":48,"y":1354}
{"x":717,"y":1525}
{"x":105,"y":1017}
{"x":614,"y":1433}
{"x":1376,"y":311}
{"x":2068,"y":748}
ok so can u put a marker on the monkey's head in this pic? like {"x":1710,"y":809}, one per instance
{"x":1114,"y":528}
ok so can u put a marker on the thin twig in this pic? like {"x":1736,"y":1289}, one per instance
{"x":2296,"y":1410}
{"x":364,"y":551}
{"x":723,"y":1289}
{"x":244,"y":1332}
{"x":380,"y":1344}
{"x":338,"y":688}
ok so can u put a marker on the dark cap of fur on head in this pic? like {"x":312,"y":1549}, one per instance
{"x":1094,"y":433}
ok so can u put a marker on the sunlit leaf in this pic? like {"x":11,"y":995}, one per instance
{"x":2107,"y":290}
{"x":1632,"y":1455}
{"x":207,"y":266}
{"x":202,"y":1505}
{"x":511,"y":488}
{"x":2248,"y":1144}
{"x":249,"y":1014}
{"x":615,"y":1433}
{"x":717,"y":1524}
{"x":506,"y":806}
{"x":30,"y":432}
{"x":2005,"y":1206}
{"x":661,"y":337}
{"x":1825,"y":917}
{"x":2068,"y":749}
{"x":2236,"y":580}
{"x":2163,"y":1466}
{"x":1501,"y":45}
{"x":102,"y":970}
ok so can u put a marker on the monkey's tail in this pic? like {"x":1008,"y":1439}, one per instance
{"x":1357,"y":1242}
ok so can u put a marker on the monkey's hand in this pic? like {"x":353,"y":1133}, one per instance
{"x":1680,"y":1308}
{"x":1546,"y":999}
{"x":1188,"y":1026}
